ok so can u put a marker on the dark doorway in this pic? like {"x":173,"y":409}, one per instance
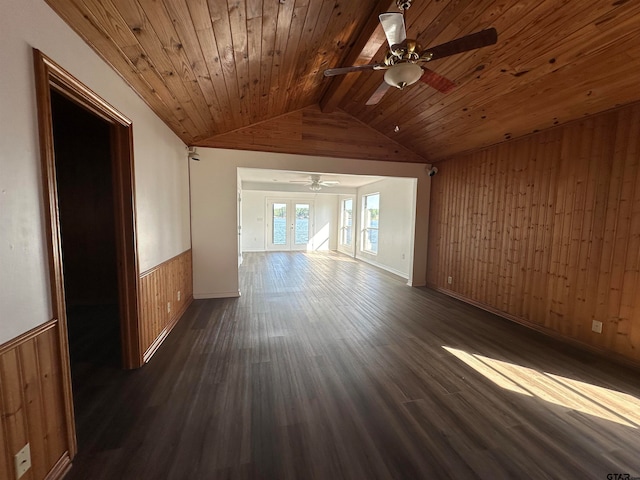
{"x":84,"y":180}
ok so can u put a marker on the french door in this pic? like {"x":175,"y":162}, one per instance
{"x":288,"y":224}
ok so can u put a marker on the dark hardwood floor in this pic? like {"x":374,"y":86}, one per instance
{"x":327,"y":368}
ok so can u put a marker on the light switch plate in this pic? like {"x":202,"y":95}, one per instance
{"x":23,"y":461}
{"x":596,"y":326}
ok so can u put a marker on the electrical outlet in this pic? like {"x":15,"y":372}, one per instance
{"x":178,"y":295}
{"x":23,"y":461}
{"x":403,"y":256}
{"x":596,"y":326}
{"x":168,"y":307}
{"x":449,"y":280}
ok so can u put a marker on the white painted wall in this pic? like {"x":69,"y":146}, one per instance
{"x":161,"y":171}
{"x":325,"y":236}
{"x":255,"y":218}
{"x":395,"y":230}
{"x":213,"y":209}
{"x":253,"y":221}
{"x":213,"y":227}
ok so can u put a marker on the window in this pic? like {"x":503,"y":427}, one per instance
{"x":346,"y":222}
{"x":370,"y":217}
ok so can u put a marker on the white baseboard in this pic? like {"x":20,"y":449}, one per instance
{"x":348,"y":253}
{"x":384,"y":267}
{"x":202,"y":296}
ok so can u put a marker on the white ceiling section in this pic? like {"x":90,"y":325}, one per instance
{"x":280,"y":180}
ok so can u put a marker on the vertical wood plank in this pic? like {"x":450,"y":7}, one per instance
{"x":483,"y":227}
{"x":37,"y":432}
{"x":535,"y":190}
{"x":555,"y":151}
{"x":603,"y":155}
{"x":609,"y":288}
{"x":51,"y":387}
{"x":577,"y":250}
{"x":13,"y":411}
{"x":497,"y":227}
{"x":5,"y":465}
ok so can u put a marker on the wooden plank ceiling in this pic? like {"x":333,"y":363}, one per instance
{"x":210,"y":67}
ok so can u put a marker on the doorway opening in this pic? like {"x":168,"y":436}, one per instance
{"x":84,"y":182}
{"x":289,"y":224}
{"x":369,"y":218}
{"x":87,"y":172}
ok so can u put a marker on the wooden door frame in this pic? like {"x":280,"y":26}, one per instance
{"x":49,"y":75}
{"x":239,"y":216}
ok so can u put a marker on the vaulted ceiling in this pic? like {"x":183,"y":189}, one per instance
{"x":249,"y":73}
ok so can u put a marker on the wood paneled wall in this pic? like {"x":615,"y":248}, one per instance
{"x":31,"y":404}
{"x":546,"y":230}
{"x":311,"y":132}
{"x":160,"y":307}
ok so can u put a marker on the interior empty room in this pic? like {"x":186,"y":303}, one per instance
{"x":286,"y":239}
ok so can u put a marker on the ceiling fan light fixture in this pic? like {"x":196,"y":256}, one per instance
{"x":315,"y":187}
{"x":403,"y":74}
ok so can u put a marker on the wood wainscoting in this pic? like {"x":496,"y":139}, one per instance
{"x":545,"y":230}
{"x":165,"y":293}
{"x":31,"y":404}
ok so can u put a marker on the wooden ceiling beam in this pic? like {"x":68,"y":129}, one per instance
{"x":369,"y":41}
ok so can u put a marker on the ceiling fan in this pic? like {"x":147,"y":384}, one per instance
{"x":405,"y":58}
{"x":315,"y":183}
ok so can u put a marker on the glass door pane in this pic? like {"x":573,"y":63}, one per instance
{"x":301,"y":224}
{"x":279,"y":224}
{"x":346,"y":226}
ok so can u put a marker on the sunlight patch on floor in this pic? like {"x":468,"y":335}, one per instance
{"x":335,"y":257}
{"x":573,"y":394}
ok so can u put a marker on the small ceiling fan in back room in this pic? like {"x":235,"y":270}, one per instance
{"x":315,"y":183}
{"x":404,"y":62}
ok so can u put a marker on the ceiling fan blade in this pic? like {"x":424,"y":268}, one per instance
{"x":329,"y":183}
{"x":437,"y":81}
{"x":462,"y":44}
{"x":393,"y":26}
{"x":378,"y":94}
{"x":331,"y":72}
